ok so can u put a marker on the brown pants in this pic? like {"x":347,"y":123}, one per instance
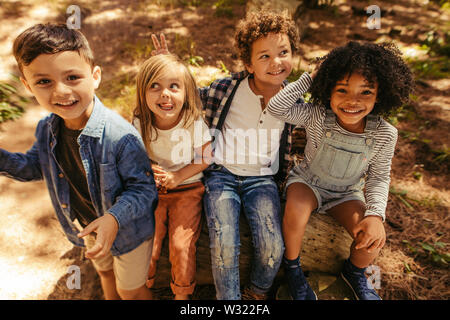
{"x":179,"y":212}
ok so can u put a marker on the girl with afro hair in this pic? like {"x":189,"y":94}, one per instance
{"x":349,"y":150}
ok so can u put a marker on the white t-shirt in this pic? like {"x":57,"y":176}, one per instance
{"x":250,"y":139}
{"x":173,"y":149}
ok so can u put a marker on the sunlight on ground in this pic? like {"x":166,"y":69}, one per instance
{"x":22,"y":280}
{"x":106,"y":16}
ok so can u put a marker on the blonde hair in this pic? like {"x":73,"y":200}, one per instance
{"x":152,"y":69}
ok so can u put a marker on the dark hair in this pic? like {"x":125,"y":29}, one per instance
{"x":381,"y":63}
{"x":50,"y":38}
{"x":260,"y":24}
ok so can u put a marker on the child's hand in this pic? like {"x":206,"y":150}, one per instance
{"x":160,"y":174}
{"x":106,"y":228}
{"x":160,"y":48}
{"x":369,"y":233}
{"x":172,"y":180}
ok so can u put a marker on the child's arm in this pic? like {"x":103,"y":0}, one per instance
{"x":287,"y":105}
{"x":170,"y":180}
{"x":370,"y":231}
{"x":20,"y":166}
{"x":378,"y":178}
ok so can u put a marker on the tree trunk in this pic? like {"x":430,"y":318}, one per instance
{"x":325,"y":246}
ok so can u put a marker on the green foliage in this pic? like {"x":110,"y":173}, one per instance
{"x":224,"y":8}
{"x":432,"y":68}
{"x":295,"y":74}
{"x":401,"y":195}
{"x":184,"y":47}
{"x":140,"y":50}
{"x":119,"y":93}
{"x":11,"y":102}
{"x":436,"y":43}
{"x":194,"y":60}
{"x":442,"y":155}
{"x":436,"y":65}
{"x":224,"y":69}
{"x":442,"y":3}
{"x":405,"y":112}
{"x":433,"y":251}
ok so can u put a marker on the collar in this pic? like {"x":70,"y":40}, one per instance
{"x":96,"y":123}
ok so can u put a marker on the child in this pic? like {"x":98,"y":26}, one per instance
{"x":245,"y":176}
{"x":93,"y":161}
{"x":168,"y":115}
{"x":349,"y":146}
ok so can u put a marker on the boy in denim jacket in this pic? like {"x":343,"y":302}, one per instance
{"x":93,"y":161}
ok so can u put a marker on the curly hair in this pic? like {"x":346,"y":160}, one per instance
{"x":381,"y":63}
{"x":260,"y":24}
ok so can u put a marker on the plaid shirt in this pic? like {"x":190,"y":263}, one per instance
{"x":216,"y":103}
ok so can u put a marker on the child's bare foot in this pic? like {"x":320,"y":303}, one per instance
{"x":181,"y":297}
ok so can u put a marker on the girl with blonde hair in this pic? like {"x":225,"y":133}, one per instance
{"x":169,"y":118}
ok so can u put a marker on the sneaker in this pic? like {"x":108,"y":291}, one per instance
{"x":249,"y":294}
{"x":357,"y":281}
{"x":299,"y":287}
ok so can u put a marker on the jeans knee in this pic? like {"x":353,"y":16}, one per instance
{"x":225,"y":257}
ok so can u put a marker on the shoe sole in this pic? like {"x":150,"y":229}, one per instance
{"x":315,"y":295}
{"x":349,"y":285}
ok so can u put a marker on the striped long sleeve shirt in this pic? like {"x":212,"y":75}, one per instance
{"x":286,"y":106}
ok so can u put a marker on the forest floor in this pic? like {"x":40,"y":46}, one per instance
{"x":34,"y":253}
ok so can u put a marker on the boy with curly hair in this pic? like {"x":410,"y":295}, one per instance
{"x":243,"y":175}
{"x":348,"y":155}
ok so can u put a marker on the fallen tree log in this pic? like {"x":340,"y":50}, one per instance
{"x":325,"y":246}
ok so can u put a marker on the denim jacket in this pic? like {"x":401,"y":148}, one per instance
{"x":117,"y":168}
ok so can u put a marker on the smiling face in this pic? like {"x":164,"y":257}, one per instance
{"x":165,"y":97}
{"x":63,"y":83}
{"x":271,"y":60}
{"x":352,"y":99}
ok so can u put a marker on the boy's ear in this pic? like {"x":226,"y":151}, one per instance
{"x":249,"y":68}
{"x":97,"y":76}
{"x":25,"y":83}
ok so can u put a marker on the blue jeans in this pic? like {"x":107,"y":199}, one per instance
{"x":225,"y":194}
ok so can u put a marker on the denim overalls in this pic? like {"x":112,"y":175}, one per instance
{"x":336,"y":173}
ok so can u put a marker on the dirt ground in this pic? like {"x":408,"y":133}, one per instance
{"x":34,"y":254}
